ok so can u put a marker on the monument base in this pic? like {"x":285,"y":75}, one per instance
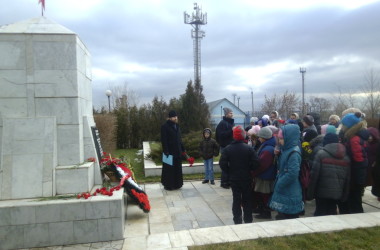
{"x":31,"y":223}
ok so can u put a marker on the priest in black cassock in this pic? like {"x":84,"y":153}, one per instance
{"x":171,"y":176}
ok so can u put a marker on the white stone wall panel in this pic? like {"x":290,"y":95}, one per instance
{"x":12,"y":54}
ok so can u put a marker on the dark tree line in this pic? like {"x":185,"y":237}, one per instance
{"x":137,"y":124}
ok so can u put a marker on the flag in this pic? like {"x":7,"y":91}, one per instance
{"x":42,"y":2}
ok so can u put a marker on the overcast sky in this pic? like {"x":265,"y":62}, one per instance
{"x":249,"y":44}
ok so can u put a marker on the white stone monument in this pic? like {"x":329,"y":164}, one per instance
{"x":45,"y":138}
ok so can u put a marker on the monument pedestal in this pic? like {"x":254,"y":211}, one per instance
{"x":28,"y":223}
{"x":45,"y":138}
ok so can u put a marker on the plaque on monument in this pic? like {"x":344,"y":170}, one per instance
{"x":98,"y":145}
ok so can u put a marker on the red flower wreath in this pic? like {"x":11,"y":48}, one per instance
{"x":127,"y":181}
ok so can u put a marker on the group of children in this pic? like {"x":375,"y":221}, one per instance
{"x":278,"y":165}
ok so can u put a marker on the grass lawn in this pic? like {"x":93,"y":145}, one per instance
{"x":363,"y":238}
{"x":137,"y":162}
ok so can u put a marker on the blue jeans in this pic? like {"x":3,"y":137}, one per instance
{"x":209,"y":169}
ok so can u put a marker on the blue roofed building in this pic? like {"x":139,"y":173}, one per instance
{"x":216,"y":112}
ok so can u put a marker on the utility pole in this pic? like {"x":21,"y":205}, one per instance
{"x":196,"y":20}
{"x":234,"y":96}
{"x":252,"y":101}
{"x":303,"y":71}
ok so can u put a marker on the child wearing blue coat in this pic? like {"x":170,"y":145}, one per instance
{"x":287,"y":194}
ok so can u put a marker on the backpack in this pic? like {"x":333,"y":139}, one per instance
{"x":304,"y":174}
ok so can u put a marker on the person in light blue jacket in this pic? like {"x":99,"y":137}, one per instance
{"x":287,"y":194}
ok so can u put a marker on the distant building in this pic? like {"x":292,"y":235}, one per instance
{"x":216,"y":112}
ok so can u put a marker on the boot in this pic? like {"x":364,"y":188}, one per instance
{"x":265,"y":214}
{"x":204,"y":181}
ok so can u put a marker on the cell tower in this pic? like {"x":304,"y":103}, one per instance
{"x":196,"y":20}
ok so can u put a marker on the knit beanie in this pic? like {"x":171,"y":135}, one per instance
{"x":308,"y":119}
{"x":172,"y":113}
{"x":323,"y":129}
{"x":310,"y":135}
{"x":265,"y":117}
{"x":330,"y":138}
{"x":334,"y":117}
{"x":253,"y":119}
{"x":265,"y":133}
{"x":274,"y":129}
{"x":331,"y":129}
{"x":238,"y":133}
{"x":350,"y":110}
{"x":226,"y":110}
{"x":296,"y":115}
{"x":351,"y":119}
{"x":254,"y":130}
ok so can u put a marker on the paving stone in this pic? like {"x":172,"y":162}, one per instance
{"x":249,"y":231}
{"x":210,"y":223}
{"x":158,"y":241}
{"x":135,"y":243}
{"x":284,"y":227}
{"x":163,"y":227}
{"x":325,"y":223}
{"x":205,"y":236}
{"x":182,"y":225}
{"x":181,"y":239}
{"x":184,"y":216}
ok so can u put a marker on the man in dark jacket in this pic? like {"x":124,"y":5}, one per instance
{"x":224,"y":138}
{"x":329,"y":177}
{"x":238,"y":160}
{"x":171,"y":176}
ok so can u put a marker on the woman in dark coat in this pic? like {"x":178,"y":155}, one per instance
{"x":171,"y":176}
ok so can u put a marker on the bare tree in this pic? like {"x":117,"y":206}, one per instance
{"x":270,"y":104}
{"x":123,"y":91}
{"x":371,"y":89}
{"x":289,"y":103}
{"x":322,"y":106}
{"x":284,"y":104}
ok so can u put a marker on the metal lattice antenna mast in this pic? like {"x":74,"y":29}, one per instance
{"x":196,"y":20}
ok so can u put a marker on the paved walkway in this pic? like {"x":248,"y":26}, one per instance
{"x":200,"y":214}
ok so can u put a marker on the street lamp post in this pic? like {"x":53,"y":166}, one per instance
{"x":303,"y":71}
{"x":108,"y":94}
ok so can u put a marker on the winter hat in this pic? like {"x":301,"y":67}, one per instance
{"x":207,"y":130}
{"x":296,"y":115}
{"x":238,"y":133}
{"x":374,"y":133}
{"x":254,"y":130}
{"x":350,"y":110}
{"x":290,"y":121}
{"x":265,"y":117}
{"x":253,"y":119}
{"x":351,"y":119}
{"x":334,"y":117}
{"x":323,"y":129}
{"x":265,"y":133}
{"x":274,"y":129}
{"x":308,"y":119}
{"x":172,"y":113}
{"x":330,"y":138}
{"x":310,"y":135}
{"x":331,"y":129}
{"x":227,"y":110}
